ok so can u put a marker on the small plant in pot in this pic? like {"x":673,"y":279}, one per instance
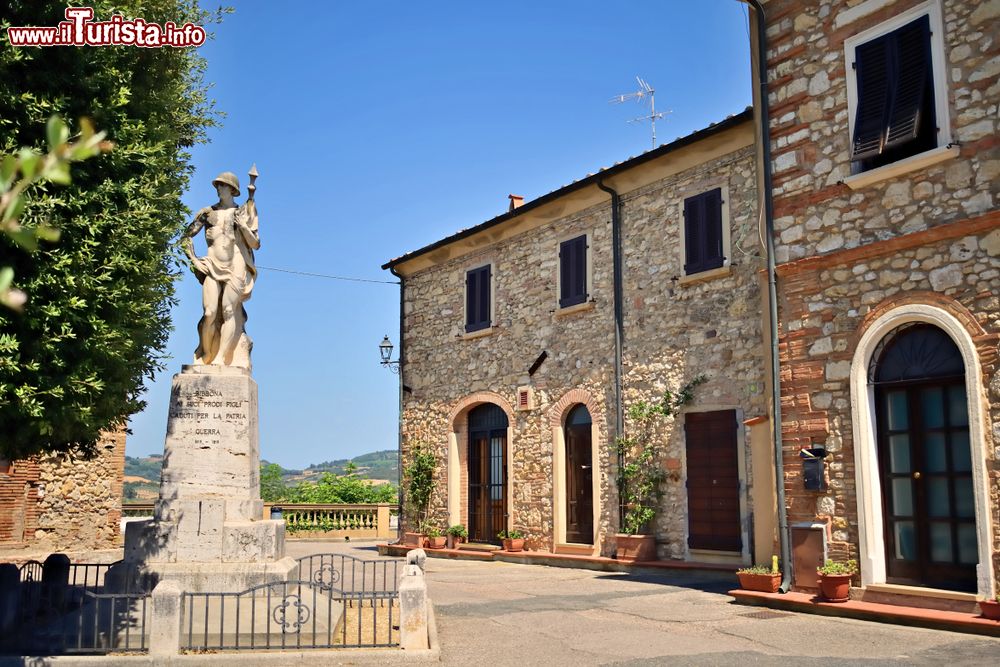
{"x":991,"y":608}
{"x":513,"y":540}
{"x":435,"y":538}
{"x":641,"y":473}
{"x":835,"y":580}
{"x":418,"y":482}
{"x":456,"y":535}
{"x":763,"y":578}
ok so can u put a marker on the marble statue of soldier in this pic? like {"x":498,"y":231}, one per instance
{"x":226,"y":272}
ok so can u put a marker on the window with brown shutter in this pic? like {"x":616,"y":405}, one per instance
{"x":703,"y":232}
{"x":573,"y":271}
{"x":477,"y":299}
{"x":895,"y":113}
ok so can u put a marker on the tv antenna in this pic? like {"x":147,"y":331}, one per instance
{"x":645,"y":92}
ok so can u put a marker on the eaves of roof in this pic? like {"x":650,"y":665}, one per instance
{"x":590,"y":179}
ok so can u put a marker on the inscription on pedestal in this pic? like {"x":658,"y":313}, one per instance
{"x":207,"y":409}
{"x":212,"y":443}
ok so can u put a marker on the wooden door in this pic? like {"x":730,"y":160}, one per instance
{"x":487,"y":473}
{"x":713,"y":481}
{"x":925,"y":459}
{"x":579,"y":478}
{"x":927,"y":497}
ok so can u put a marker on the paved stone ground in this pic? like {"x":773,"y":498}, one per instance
{"x":508,"y":614}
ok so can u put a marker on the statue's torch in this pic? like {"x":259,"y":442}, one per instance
{"x":253,"y":177}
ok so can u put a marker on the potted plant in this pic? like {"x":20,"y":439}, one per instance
{"x":456,"y":535}
{"x":435,"y":538}
{"x":764,"y":578}
{"x":513,"y":540}
{"x":418,"y":481}
{"x":835,"y":579}
{"x":640,"y":471}
{"x":991,"y":608}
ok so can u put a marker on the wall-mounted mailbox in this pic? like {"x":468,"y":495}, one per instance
{"x":812,"y":468}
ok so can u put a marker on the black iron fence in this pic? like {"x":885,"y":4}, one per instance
{"x":345,"y":573}
{"x":338,"y":601}
{"x":289,"y":615}
{"x":59,"y":607}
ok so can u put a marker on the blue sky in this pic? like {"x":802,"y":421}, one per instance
{"x":378,"y":128}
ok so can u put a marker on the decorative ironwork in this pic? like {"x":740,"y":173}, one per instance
{"x":915,"y":351}
{"x":327,"y":576}
{"x":340,"y":573}
{"x":300,"y":615}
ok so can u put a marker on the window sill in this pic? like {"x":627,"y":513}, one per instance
{"x":481,"y":333}
{"x":711,"y":274}
{"x":578,"y":308}
{"x":912,"y":163}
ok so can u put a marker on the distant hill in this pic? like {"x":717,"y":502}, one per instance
{"x":143,"y":473}
{"x":374,"y":465}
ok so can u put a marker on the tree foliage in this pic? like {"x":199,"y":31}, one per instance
{"x":418,"y":476}
{"x":74,"y":361}
{"x":349,"y":488}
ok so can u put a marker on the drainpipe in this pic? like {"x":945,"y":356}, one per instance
{"x":772,"y":297}
{"x":616,"y":254}
{"x":399,"y":443}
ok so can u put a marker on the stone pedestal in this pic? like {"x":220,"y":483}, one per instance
{"x":207,"y":532}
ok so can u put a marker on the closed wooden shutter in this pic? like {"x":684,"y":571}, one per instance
{"x":703,"y":232}
{"x":894,"y":89}
{"x":477,"y":299}
{"x":573,"y":271}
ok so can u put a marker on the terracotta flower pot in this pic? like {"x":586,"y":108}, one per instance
{"x":413,"y":539}
{"x":513,"y":544}
{"x":632,"y":548}
{"x":835,"y":587}
{"x":766,"y":583}
{"x":437,"y":542}
{"x":990,"y":609}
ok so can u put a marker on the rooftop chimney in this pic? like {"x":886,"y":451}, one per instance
{"x":515,"y":201}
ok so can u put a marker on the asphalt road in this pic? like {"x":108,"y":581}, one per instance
{"x":506,"y":614}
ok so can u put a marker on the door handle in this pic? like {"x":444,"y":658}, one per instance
{"x":916,"y":475}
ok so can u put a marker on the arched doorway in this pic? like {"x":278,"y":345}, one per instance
{"x":487,"y":461}
{"x":925,"y":459}
{"x":579,"y":477}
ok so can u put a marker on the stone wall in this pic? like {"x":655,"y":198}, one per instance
{"x":926,"y":236}
{"x":57,"y":503}
{"x":677,"y":330}
{"x":674,"y":330}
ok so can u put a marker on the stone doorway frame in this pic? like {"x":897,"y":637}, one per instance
{"x":868,"y":486}
{"x":458,"y":456}
{"x":557,"y":423}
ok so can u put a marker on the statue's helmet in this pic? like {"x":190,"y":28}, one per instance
{"x":229,"y":178}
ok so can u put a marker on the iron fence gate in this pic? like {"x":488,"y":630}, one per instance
{"x":338,"y":601}
{"x":71,"y":610}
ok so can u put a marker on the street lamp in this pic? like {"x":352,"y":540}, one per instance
{"x":385,"y":350}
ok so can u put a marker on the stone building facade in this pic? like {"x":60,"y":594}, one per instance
{"x":887,"y":235}
{"x":520,"y":409}
{"x":52,"y":502}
